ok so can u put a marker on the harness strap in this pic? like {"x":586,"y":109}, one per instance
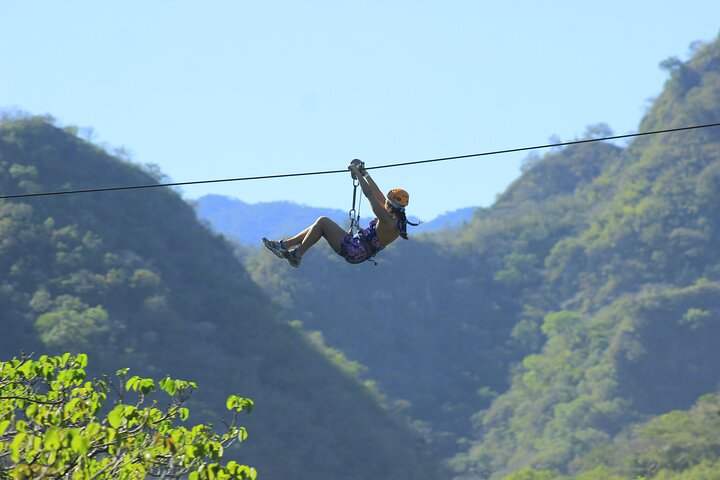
{"x":355,"y":221}
{"x":354,"y":214}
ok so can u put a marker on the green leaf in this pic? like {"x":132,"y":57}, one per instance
{"x":31,"y":410}
{"x":130,"y":411}
{"x":93,"y":429}
{"x":82,"y":360}
{"x":64,"y":359}
{"x":216,"y":450}
{"x":48,"y":372}
{"x":4,"y":425}
{"x":169,"y":385}
{"x":52,"y":439}
{"x":132,"y":383}
{"x":116,"y":416}
{"x":16,"y":446}
{"x":147,"y":385}
{"x":239,"y":403}
{"x":26,"y":369}
{"x":191,"y":451}
{"x":80,"y":444}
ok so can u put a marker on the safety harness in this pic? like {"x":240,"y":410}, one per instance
{"x":354,"y":215}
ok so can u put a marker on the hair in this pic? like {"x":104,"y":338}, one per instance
{"x":402,"y":221}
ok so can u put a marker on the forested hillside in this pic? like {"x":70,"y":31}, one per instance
{"x":540,"y":341}
{"x":133,"y":279}
{"x":634,"y":294}
{"x":568,"y":331}
{"x":439,"y":322}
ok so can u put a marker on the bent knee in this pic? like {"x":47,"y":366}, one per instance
{"x":323,"y":220}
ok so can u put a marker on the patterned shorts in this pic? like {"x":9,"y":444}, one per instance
{"x":353,"y":250}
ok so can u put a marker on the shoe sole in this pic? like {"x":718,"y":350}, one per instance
{"x":293,"y":260}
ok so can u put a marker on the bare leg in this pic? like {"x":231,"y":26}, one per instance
{"x":296,"y":240}
{"x":322,"y":228}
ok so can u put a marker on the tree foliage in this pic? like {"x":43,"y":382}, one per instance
{"x":54,"y":423}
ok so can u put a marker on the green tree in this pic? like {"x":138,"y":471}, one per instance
{"x":53,"y":424}
{"x":530,"y":474}
{"x":72,"y":324}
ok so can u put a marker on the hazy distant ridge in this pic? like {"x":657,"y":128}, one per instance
{"x":248,"y":223}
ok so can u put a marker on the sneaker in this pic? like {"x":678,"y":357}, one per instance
{"x":276,"y":247}
{"x":292,"y":259}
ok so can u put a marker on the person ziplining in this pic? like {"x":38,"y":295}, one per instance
{"x":389,"y":224}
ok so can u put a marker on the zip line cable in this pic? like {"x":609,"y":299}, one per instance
{"x":326,"y":172}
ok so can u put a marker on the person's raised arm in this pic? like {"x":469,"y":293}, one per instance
{"x":377,"y":204}
{"x":373,"y":186}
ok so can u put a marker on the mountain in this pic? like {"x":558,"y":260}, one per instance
{"x":569,"y":330}
{"x":435,"y":324}
{"x":135,"y":280}
{"x":247,"y":223}
{"x":450,"y":219}
{"x":632,"y":297}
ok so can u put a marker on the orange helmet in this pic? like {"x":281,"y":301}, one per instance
{"x":399,"y":197}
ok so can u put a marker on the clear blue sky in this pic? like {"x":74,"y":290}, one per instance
{"x":232,"y":88}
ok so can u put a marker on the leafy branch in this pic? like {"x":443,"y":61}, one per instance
{"x":51,"y":427}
